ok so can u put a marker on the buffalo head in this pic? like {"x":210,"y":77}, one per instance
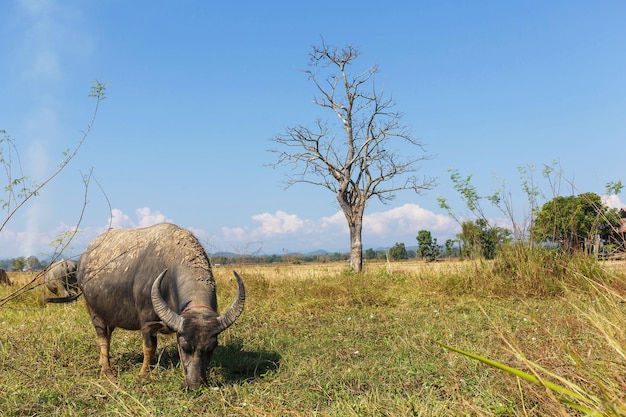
{"x":197,"y":328}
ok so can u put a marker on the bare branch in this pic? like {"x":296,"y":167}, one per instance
{"x":97,"y":91}
{"x":63,"y":242}
{"x":25,"y":194}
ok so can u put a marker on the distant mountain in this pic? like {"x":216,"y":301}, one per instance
{"x":386,"y":248}
{"x":314,"y":253}
{"x":225,"y":254}
{"x":237,"y":255}
{"x":317,"y":252}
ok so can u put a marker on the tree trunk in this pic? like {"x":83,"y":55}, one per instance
{"x":356,"y":247}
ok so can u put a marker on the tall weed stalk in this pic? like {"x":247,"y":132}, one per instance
{"x":591,"y":386}
{"x":526,"y":270}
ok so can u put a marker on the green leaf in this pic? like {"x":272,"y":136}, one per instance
{"x":531,"y":378}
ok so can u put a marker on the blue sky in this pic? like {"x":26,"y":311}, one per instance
{"x":197,"y":89}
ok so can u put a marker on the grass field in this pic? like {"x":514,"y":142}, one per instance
{"x":316,"y":340}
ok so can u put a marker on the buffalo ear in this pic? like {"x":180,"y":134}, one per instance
{"x":153,"y":325}
{"x":171,"y":319}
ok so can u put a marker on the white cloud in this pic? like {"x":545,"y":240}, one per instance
{"x":202,"y":235}
{"x":613,"y":201}
{"x":53,"y":36}
{"x":48,"y":39}
{"x":145,"y":217}
{"x":406,"y":219}
{"x":34,"y":242}
{"x":284,"y":230}
{"x":235,"y":233}
{"x":43,"y":53}
{"x":336,"y":223}
{"x":279,"y":223}
{"x":119,"y":220}
{"x":272,"y":226}
{"x":272,"y":232}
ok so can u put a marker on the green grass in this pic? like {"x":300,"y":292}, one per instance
{"x":316,"y":340}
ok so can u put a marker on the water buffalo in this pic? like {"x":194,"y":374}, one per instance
{"x":156,"y":279}
{"x":60,"y":278}
{"x":4,"y":278}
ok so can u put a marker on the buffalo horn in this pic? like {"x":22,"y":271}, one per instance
{"x":171,"y":319}
{"x":230,"y":316}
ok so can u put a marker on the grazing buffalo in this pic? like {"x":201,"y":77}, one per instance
{"x":60,"y":278}
{"x":4,"y":278}
{"x":156,"y":279}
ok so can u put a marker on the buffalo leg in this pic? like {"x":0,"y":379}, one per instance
{"x":149,"y":350}
{"x":104,"y":342}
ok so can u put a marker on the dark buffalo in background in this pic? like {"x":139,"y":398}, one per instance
{"x":4,"y":278}
{"x":156,"y":279}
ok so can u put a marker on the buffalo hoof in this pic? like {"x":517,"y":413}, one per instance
{"x":107,"y":374}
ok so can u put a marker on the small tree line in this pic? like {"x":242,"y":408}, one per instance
{"x":22,"y":263}
{"x":571,"y":224}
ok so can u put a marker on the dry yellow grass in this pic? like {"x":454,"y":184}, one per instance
{"x":318,"y":340}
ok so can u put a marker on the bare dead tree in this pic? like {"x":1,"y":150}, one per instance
{"x":352,"y":157}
